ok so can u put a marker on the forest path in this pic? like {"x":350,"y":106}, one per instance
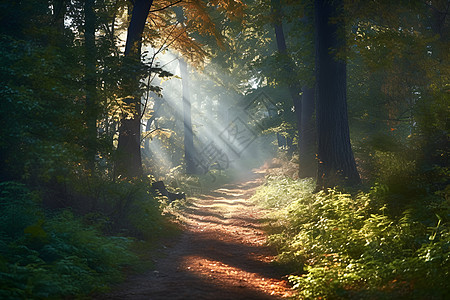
{"x":220,"y":255}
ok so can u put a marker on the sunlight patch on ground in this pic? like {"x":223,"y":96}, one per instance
{"x":229,"y":192}
{"x":223,"y":274}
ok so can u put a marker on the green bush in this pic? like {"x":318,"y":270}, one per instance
{"x":144,"y":213}
{"x":44,"y":256}
{"x":125,"y":207}
{"x":343,"y":246}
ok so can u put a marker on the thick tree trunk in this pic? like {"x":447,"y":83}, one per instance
{"x":129,"y":145}
{"x":90,"y":83}
{"x":189,"y":150}
{"x":129,"y":158}
{"x":336,"y":161}
{"x":307,"y":141}
{"x":303,"y":105}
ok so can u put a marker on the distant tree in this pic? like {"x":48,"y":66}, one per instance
{"x":302,"y":98}
{"x":398,"y":78}
{"x":90,"y":81}
{"x":189,"y":149}
{"x":336,"y":161}
{"x":287,"y":63}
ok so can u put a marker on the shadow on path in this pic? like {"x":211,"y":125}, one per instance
{"x":220,"y":255}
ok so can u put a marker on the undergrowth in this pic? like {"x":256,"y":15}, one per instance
{"x":343,"y":246}
{"x":52,"y":255}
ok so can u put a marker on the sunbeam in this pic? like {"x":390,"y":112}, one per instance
{"x":224,"y":137}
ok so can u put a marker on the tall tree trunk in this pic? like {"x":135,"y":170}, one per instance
{"x":336,"y":161}
{"x":189,"y":150}
{"x":90,"y":83}
{"x":129,"y":145}
{"x":303,"y":105}
{"x":307,"y":142}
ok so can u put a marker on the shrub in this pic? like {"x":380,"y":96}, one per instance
{"x":347,"y":246}
{"x":52,"y":256}
{"x":120,"y":207}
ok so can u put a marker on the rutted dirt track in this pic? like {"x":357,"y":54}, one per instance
{"x":220,"y":255}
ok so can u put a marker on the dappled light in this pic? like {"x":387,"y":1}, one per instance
{"x":224,"y":274}
{"x":222,"y":250}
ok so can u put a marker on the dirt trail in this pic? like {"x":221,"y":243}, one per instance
{"x":220,"y":255}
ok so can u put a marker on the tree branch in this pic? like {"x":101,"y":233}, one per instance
{"x":170,"y":5}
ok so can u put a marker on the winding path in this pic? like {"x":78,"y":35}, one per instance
{"x":220,"y":255}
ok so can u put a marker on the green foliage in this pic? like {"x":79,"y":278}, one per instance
{"x":397,"y":83}
{"x":282,"y":191}
{"x":342,"y":246}
{"x":145,"y":214}
{"x":405,"y":174}
{"x":52,"y":256}
{"x":125,"y":207}
{"x":38,"y":106}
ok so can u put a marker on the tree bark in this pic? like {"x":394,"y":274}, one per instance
{"x":307,"y":142}
{"x":303,"y":105}
{"x":336,"y":161}
{"x":129,"y":145}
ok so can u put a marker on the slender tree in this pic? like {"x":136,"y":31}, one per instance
{"x":189,"y":150}
{"x":336,"y":161}
{"x":90,"y":81}
{"x":302,"y":98}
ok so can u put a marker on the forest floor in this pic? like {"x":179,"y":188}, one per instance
{"x":221,"y":253}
